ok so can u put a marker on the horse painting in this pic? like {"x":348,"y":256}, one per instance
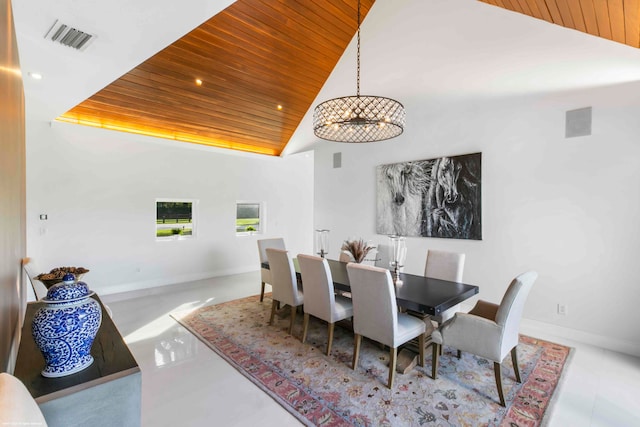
{"x":453,"y":200}
{"x":431,"y":198}
{"x":400,"y":198}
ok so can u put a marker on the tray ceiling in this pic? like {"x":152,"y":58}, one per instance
{"x":242,"y":80}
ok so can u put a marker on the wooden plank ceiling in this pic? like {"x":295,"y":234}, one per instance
{"x":261,"y":64}
{"x":617,"y":20}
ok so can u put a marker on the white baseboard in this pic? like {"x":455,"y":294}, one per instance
{"x":155,"y":286}
{"x":538,"y":329}
{"x":549,"y":331}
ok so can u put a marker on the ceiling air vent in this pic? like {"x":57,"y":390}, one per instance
{"x":69,"y":36}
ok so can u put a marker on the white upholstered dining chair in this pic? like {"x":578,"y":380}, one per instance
{"x":346,"y":257}
{"x":320,"y":300}
{"x":284,"y":283}
{"x":265,"y":273}
{"x":375,"y":314}
{"x":445,"y":266}
{"x":488,"y":330}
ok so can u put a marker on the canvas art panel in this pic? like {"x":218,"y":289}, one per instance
{"x":431,"y":198}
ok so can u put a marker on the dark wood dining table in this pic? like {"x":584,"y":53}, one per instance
{"x":420,"y":294}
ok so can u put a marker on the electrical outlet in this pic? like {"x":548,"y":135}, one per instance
{"x":563,"y":309}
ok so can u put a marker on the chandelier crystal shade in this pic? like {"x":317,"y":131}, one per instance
{"x":358,"y":118}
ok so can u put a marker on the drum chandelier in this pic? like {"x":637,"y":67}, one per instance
{"x":358,"y":118}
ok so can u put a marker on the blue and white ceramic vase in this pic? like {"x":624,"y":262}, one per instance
{"x":65,"y":327}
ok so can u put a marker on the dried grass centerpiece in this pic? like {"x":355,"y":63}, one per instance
{"x":357,"y":248}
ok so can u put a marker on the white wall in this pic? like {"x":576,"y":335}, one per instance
{"x":568,"y":208}
{"x":99,"y":188}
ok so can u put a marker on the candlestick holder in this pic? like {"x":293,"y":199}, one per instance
{"x":398,"y":255}
{"x":322,"y":242}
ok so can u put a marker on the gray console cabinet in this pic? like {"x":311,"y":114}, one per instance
{"x":107,"y":393}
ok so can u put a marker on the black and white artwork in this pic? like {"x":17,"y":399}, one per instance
{"x":431,"y":198}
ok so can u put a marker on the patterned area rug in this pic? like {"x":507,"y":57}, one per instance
{"x":325,"y":391}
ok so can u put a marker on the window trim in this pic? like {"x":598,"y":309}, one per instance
{"x":194,"y":218}
{"x":261,"y":217}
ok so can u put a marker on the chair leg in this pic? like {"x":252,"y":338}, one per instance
{"x":459,"y":354}
{"x":274,"y":304}
{"x":393,"y":355}
{"x":262,"y":292}
{"x":330,"y":338}
{"x":294,"y":309}
{"x":356,"y":350}
{"x":434,"y":360}
{"x":421,"y":340}
{"x":514,"y":359}
{"x":496,"y":370}
{"x":305,"y":325}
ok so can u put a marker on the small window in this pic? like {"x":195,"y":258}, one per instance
{"x":249,"y":218}
{"x":175,"y":219}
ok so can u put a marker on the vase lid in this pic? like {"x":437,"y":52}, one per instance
{"x":69,"y":278}
{"x":65,"y":292}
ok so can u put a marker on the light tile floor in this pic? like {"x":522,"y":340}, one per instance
{"x":185,"y":383}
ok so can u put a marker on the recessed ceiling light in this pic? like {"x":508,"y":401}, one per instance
{"x":36,"y":76}
{"x":279,"y":107}
{"x":198,"y":82}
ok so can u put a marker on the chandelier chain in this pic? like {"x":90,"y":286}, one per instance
{"x":358,"y":56}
